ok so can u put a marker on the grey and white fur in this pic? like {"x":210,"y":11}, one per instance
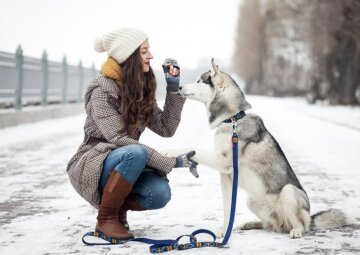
{"x":275,"y":194}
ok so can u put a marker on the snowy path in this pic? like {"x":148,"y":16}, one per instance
{"x":40,"y":213}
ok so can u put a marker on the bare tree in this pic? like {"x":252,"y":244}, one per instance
{"x":287,"y":62}
{"x":270,"y":52}
{"x":300,"y":47}
{"x":250,"y":45}
{"x":335,"y":45}
{"x":344,"y":70}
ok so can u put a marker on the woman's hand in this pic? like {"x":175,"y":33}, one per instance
{"x":172,"y":75}
{"x":186,"y":161}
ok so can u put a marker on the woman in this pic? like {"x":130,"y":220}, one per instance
{"x":111,"y":169}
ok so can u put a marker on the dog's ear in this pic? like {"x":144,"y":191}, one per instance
{"x":212,"y":72}
{"x":214,"y":68}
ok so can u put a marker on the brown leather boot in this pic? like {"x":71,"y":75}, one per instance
{"x":131,"y":203}
{"x":116,"y":190}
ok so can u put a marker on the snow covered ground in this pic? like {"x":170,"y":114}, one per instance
{"x":40,"y":212}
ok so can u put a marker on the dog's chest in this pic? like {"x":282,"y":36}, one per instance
{"x":224,"y":145}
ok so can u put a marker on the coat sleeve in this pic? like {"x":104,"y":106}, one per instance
{"x":167,"y":120}
{"x":112,"y":126}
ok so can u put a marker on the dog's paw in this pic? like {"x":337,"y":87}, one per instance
{"x":251,"y":225}
{"x":295,"y":233}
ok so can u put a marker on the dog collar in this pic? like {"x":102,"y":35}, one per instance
{"x":236,"y":117}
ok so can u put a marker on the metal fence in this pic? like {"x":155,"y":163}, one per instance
{"x":31,"y":81}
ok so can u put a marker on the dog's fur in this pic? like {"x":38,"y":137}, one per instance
{"x":275,"y":195}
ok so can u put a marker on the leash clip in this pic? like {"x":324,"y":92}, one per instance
{"x":234,"y":124}
{"x":234,"y":137}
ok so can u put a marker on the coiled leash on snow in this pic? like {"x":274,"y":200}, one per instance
{"x":160,"y":246}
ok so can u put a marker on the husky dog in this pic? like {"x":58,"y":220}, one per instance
{"x":275,"y":195}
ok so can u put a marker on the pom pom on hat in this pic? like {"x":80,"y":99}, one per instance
{"x":121,"y":43}
{"x":98,"y":44}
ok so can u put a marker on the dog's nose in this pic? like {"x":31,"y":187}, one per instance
{"x":180,"y":88}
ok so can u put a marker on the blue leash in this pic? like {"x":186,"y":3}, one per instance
{"x":160,"y":246}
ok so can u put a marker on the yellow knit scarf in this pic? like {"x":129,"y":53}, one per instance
{"x":111,"y":69}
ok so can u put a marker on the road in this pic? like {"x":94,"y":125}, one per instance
{"x":42,"y":214}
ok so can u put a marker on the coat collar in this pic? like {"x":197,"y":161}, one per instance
{"x":108,"y":84}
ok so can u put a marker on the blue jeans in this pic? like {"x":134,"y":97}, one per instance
{"x":152,"y":191}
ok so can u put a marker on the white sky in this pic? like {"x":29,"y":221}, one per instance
{"x":189,"y":30}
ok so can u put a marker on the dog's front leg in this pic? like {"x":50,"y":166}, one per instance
{"x":211,"y":159}
{"x":226,"y":190}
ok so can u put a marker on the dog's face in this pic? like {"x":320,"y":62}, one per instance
{"x":209,"y":84}
{"x":222,"y":96}
{"x":203,"y":90}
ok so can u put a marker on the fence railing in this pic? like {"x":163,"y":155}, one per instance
{"x":31,"y":81}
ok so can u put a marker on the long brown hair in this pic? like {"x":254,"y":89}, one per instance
{"x":137,"y":93}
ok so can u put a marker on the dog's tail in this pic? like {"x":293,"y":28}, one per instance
{"x":332,"y":218}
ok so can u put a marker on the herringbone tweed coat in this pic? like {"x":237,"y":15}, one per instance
{"x":105,"y":121}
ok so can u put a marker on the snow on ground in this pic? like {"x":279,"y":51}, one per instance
{"x":40,"y":212}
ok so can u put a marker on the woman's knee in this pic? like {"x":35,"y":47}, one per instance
{"x":137,"y":153}
{"x":132,"y":163}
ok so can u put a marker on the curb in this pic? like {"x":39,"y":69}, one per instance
{"x":32,"y":114}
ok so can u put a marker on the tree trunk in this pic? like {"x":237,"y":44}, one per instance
{"x":345,"y":73}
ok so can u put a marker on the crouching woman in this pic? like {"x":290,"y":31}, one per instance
{"x":111,"y":169}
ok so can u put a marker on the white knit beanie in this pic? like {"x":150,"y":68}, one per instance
{"x":121,"y":43}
